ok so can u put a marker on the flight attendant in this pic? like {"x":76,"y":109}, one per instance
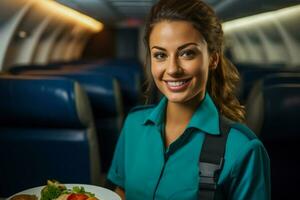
{"x":162,"y":150}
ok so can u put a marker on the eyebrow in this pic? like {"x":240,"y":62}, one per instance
{"x":179,"y":48}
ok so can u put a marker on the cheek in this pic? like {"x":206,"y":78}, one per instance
{"x":200,"y":73}
{"x":156,"y":71}
{"x":153,"y":71}
{"x":197,"y":68}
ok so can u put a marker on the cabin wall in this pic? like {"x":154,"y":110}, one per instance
{"x":127,"y":43}
{"x":268,"y":38}
{"x":101,"y":45}
{"x":33,"y":34}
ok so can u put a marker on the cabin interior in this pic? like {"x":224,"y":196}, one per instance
{"x":71,"y":70}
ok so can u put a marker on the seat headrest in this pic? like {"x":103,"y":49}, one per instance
{"x":43,"y":102}
{"x":130,"y":80}
{"x":282,"y":106}
{"x":280,"y":78}
{"x":274,"y":110}
{"x":103,"y":90}
{"x":250,"y":76}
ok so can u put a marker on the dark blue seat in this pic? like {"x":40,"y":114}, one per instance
{"x":113,"y":87}
{"x":46,"y":132}
{"x":107,"y":106}
{"x":19,"y":69}
{"x":273,"y":111}
{"x":250,"y":73}
{"x":128,"y":72}
{"x":103,"y":90}
{"x":282,"y":78}
{"x":130,"y":79}
{"x":22,"y":68}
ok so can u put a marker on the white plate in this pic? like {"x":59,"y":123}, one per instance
{"x":100,"y":192}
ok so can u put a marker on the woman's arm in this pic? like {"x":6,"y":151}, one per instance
{"x":116,"y":174}
{"x":251,"y":174}
{"x":120,"y":192}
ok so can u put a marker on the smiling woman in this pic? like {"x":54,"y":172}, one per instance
{"x":180,"y":61}
{"x":192,"y":145}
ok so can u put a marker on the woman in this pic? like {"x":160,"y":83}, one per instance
{"x":157,"y":156}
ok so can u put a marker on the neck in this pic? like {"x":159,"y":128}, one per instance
{"x":181,"y":113}
{"x":178,"y":116}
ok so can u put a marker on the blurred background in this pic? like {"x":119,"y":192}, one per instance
{"x":71,"y":70}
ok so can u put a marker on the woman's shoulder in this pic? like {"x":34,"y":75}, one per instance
{"x":242,"y":141}
{"x":242,"y":131}
{"x":240,"y":135}
{"x":141,"y":110}
{"x":135,"y":121}
{"x":246,"y":161}
{"x":139,"y":113}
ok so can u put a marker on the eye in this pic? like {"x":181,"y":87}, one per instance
{"x":159,"y":56}
{"x":188,"y":54}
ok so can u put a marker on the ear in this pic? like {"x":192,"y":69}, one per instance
{"x":214,"y":60}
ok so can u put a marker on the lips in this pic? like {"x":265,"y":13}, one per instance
{"x":177,"y":85}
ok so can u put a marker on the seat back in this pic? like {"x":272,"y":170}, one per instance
{"x":107,"y":106}
{"x":103,"y":90}
{"x":129,"y":78}
{"x":255,"y":102}
{"x":46,"y":132}
{"x":274,"y":112}
{"x":251,"y":74}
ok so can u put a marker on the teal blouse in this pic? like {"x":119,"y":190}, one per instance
{"x":145,"y":169}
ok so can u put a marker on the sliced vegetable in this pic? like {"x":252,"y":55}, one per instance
{"x":56,"y":190}
{"x":50,"y":192}
{"x":78,"y":197}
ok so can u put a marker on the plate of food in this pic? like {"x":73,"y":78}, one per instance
{"x":57,"y":191}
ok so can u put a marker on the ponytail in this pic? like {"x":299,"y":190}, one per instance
{"x":222,"y":88}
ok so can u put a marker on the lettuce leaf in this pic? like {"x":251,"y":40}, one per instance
{"x":50,"y":192}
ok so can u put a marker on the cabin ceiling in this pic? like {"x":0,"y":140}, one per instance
{"x":116,"y":11}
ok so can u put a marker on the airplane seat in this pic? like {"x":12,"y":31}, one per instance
{"x":72,"y":62}
{"x":103,"y":90}
{"x":273,"y":113}
{"x":249,"y":75}
{"x":46,"y":132}
{"x":20,"y":69}
{"x":128,"y":73}
{"x":62,"y":65}
{"x":254,"y":102}
{"x":242,"y":66}
{"x":282,"y":78}
{"x":107,"y":106}
{"x":130,"y":82}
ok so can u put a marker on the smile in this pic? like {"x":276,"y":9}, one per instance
{"x":177,"y":86}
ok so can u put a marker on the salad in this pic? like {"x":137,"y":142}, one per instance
{"x":57,"y":191}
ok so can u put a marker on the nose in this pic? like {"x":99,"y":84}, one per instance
{"x":174,"y":67}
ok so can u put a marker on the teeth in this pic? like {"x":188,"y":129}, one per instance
{"x":176,"y":83}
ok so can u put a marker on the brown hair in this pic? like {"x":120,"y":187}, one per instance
{"x":222,"y":81}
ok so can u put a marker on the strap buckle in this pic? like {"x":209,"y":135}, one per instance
{"x":209,"y":173}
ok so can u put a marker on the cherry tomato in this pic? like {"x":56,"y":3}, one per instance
{"x":77,"y":197}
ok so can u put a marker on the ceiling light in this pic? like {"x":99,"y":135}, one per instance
{"x":260,"y":18}
{"x":71,"y":14}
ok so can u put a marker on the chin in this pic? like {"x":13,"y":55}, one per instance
{"x":176,"y":98}
{"x":184,"y":98}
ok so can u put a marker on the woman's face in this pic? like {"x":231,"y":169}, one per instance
{"x":180,"y":61}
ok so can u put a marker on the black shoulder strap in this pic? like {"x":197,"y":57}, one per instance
{"x":211,"y":160}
